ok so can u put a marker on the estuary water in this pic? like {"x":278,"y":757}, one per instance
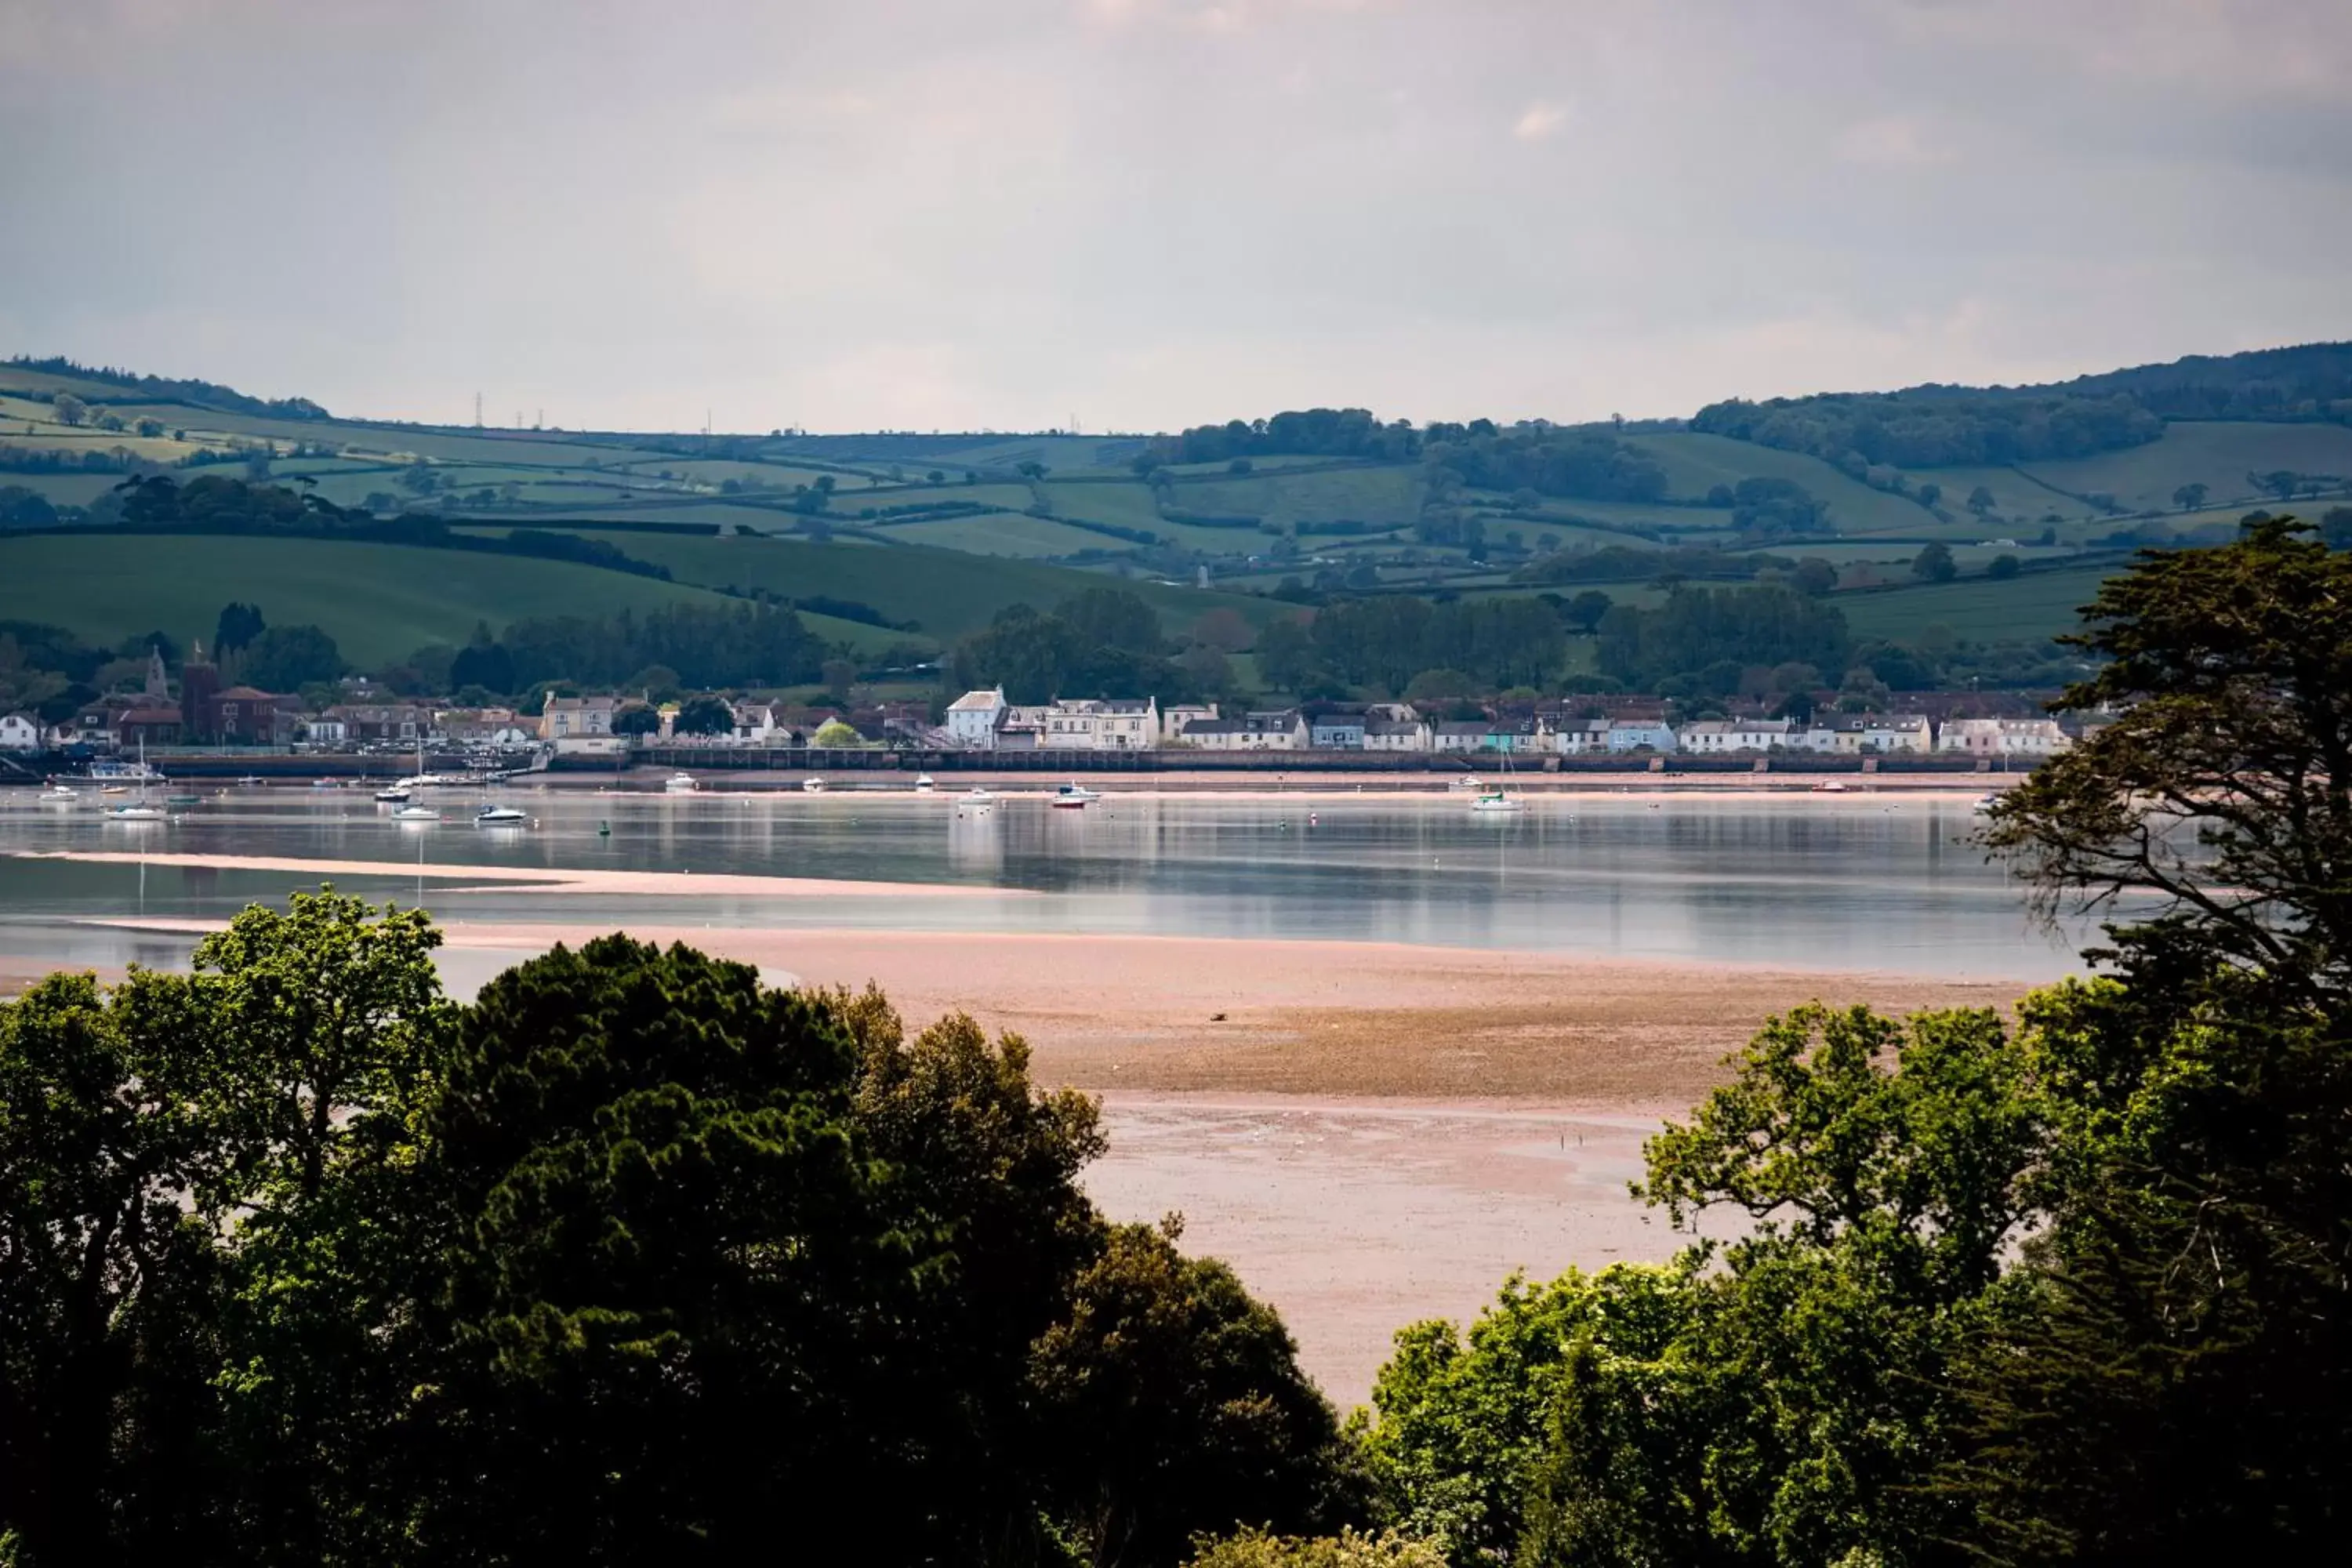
{"x":1872,"y":881}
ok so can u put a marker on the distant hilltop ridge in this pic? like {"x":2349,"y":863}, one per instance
{"x":2296,"y":382}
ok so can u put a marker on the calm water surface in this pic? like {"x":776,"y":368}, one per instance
{"x":1853,"y":882}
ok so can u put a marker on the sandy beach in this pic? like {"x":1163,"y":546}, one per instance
{"x":550,"y":879}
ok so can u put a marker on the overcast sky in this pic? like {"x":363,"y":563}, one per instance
{"x":1144,"y":214}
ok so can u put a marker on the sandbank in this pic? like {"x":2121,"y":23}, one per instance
{"x":537,"y":880}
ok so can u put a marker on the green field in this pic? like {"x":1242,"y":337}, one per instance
{"x":1387,"y":496}
{"x":1003,"y":533}
{"x":947,"y":593}
{"x":2218,"y":456}
{"x":1696,"y":463}
{"x":2039,"y":604}
{"x":379,"y":601}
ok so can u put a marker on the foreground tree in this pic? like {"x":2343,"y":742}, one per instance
{"x":2184,"y":1384}
{"x":633,"y":1259}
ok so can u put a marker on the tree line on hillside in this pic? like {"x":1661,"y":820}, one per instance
{"x":215,"y":504}
{"x":635,"y":1258}
{"x":1916,"y":431}
{"x":706,"y":648}
{"x":163,"y":389}
{"x":1099,"y":642}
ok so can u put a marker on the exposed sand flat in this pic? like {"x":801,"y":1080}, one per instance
{"x":1322,"y":1018}
{"x":1372,"y":1133}
{"x":550,"y":879}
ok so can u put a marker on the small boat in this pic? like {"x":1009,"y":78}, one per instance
{"x":1985,"y":803}
{"x":396,"y":795}
{"x":1831,"y":786}
{"x":925,"y":784}
{"x":811,"y":785}
{"x":184,"y":799}
{"x":680,"y":784}
{"x":57,"y":794}
{"x":1498,"y":799}
{"x":500,"y":816}
{"x":138,"y":813}
{"x":1074,"y":796}
{"x":416,"y":814}
{"x":113,"y":789}
{"x":975,"y":797}
{"x":1468,"y":784}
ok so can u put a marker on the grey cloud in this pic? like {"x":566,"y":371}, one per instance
{"x":1152,"y":212}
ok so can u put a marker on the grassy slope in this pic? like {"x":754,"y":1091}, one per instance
{"x":2040,"y":605}
{"x":1003,"y":533}
{"x":379,"y":601}
{"x":1694,"y":463}
{"x":1389,"y":495}
{"x":2217,"y":454}
{"x":950,"y":594}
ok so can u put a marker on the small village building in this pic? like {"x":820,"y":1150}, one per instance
{"x":576,"y":719}
{"x":1580,"y":737}
{"x":757,"y":723}
{"x":1173,"y":719}
{"x":2002,"y":737}
{"x":252,"y":718}
{"x":1641,"y":735}
{"x":378,"y":722}
{"x":975,"y":718}
{"x":147,"y":724}
{"x":1396,"y":735}
{"x":1284,"y":730}
{"x":1338,"y":733}
{"x":19,"y":732}
{"x":1887,"y":733}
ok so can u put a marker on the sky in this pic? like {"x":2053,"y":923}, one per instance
{"x":1138,"y":214}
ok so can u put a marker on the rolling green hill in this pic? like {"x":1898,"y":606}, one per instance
{"x":379,"y":601}
{"x":947,"y":593}
{"x":2037,"y":605}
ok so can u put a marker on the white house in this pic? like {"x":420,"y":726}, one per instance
{"x":1174,"y":718}
{"x":1719,"y":735}
{"x":19,"y":732}
{"x":577,"y":718}
{"x":1283,"y":731}
{"x":2003,"y":737}
{"x":1093,"y":724}
{"x":1396,"y":735}
{"x":759,"y":724}
{"x":1467,"y":735}
{"x":975,"y":718}
{"x":1338,"y":732}
{"x":1889,"y":732}
{"x":1641,"y":735}
{"x":1580,"y":737}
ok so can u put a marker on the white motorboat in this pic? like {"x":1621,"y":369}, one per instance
{"x":1468,"y":784}
{"x":500,"y":816}
{"x":57,"y":794}
{"x":1831,"y":786}
{"x":416,"y":814}
{"x":680,"y":784}
{"x":976,"y":796}
{"x":1074,"y":796}
{"x":925,"y":784}
{"x":395,"y":795}
{"x":1985,"y":803}
{"x":811,"y":785}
